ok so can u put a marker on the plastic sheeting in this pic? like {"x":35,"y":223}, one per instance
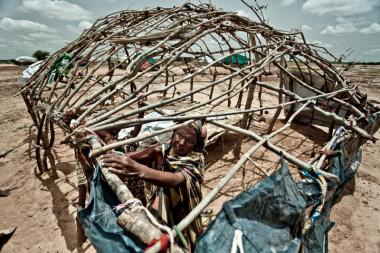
{"x":29,"y":72}
{"x":344,"y":166}
{"x":268,"y":216}
{"x":99,"y":220}
{"x":149,"y":128}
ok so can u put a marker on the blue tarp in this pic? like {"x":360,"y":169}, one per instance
{"x":270,"y":214}
{"x":99,"y":220}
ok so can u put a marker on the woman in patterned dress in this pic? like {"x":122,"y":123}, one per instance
{"x":176,"y":169}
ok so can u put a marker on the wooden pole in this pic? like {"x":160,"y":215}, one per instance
{"x":244,"y":121}
{"x":278,"y":111}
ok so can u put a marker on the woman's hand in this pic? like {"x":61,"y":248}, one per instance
{"x":121,"y":165}
{"x":147,"y":156}
{"x":125,"y":167}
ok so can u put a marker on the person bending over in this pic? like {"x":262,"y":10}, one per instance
{"x":177,"y":170}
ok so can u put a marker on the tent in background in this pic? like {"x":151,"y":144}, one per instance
{"x":235,"y":59}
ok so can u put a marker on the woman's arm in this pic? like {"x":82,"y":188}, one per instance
{"x":147,"y":156}
{"x":125,"y":166}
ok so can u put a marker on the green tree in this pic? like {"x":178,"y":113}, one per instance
{"x":40,"y":55}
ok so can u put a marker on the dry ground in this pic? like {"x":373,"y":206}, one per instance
{"x":42,"y":208}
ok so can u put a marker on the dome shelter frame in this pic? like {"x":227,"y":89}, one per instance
{"x":187,"y":63}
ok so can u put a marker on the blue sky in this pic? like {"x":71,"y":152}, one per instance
{"x":339,"y":25}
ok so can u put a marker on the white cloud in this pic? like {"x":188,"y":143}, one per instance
{"x":25,"y":45}
{"x":25,"y":37}
{"x":305,"y":28}
{"x":288,"y":2}
{"x":57,"y":9}
{"x":3,"y":42}
{"x":327,"y":45}
{"x":243,"y":13}
{"x":79,"y":28}
{"x":373,"y":51}
{"x":42,"y":35}
{"x":84,"y":25}
{"x":343,"y":26}
{"x":73,"y":29}
{"x":57,"y":43}
{"x":321,"y":44}
{"x":10,"y":24}
{"x":338,"y":29}
{"x":358,"y":21}
{"x":340,"y":7}
{"x":373,"y":28}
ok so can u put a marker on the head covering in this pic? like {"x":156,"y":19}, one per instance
{"x":201,"y":135}
{"x":201,"y":131}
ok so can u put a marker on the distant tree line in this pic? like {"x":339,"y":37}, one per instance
{"x":6,"y":62}
{"x":347,"y":62}
{"x":363,"y":63}
{"x":41,"y":55}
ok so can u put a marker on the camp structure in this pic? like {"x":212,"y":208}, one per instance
{"x":24,"y":60}
{"x":292,"y":172}
{"x":235,"y":59}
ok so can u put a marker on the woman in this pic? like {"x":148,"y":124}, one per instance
{"x":178,"y":171}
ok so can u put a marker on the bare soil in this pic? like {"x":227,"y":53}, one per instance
{"x":43,"y":208}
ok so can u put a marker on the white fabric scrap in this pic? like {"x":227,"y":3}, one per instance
{"x":149,"y":128}
{"x":237,"y":243}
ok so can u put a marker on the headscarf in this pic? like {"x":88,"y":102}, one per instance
{"x":201,"y":132}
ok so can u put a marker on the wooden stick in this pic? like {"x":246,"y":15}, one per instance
{"x":278,"y":111}
{"x":213,"y":193}
{"x":101,"y":150}
{"x":330,"y":115}
{"x":132,"y":122}
{"x":210,"y":196}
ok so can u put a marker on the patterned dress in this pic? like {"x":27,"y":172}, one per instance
{"x":175,"y":203}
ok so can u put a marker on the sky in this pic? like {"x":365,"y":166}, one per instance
{"x":349,"y":27}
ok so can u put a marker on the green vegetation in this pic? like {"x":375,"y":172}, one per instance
{"x":6,"y":62}
{"x":363,"y":63}
{"x":40,"y":55}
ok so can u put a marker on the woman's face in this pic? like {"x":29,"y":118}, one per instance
{"x":184,"y":140}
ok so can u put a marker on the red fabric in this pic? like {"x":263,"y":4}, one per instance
{"x":164,"y":242}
